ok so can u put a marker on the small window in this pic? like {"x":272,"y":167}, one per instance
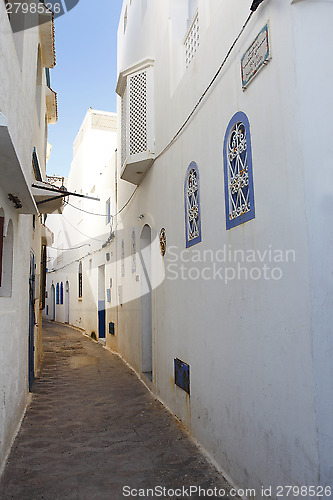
{"x":192,"y":39}
{"x":57,"y":294}
{"x":108,"y":211}
{"x":238,"y":177}
{"x":192,"y":206}
{"x":61,"y":293}
{"x":80,"y":280}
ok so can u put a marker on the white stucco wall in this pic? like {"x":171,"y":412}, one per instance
{"x":258,"y":350}
{"x":18,"y":63}
{"x":92,"y":173}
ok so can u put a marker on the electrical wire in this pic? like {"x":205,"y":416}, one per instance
{"x":85,"y":211}
{"x":105,"y":215}
{"x":180,"y":130}
{"x":83,"y":234}
{"x":72,"y":248}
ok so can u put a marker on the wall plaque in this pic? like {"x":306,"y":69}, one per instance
{"x":256,"y":57}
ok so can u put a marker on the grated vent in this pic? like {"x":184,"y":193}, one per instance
{"x":123,"y":126}
{"x":192,"y":41}
{"x":138,"y":113}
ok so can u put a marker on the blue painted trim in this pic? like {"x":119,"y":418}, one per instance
{"x":35,"y":164}
{"x":57,"y":294}
{"x":190,"y":243}
{"x":61,"y":293}
{"x":101,"y":319}
{"x":238,"y":117}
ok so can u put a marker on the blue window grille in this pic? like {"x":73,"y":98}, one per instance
{"x":192,"y":206}
{"x":61,"y":293}
{"x":57,"y":294}
{"x":80,"y":280}
{"x":238,"y":176}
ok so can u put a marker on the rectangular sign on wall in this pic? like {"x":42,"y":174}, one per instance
{"x":256,"y":57}
{"x":182,"y":375}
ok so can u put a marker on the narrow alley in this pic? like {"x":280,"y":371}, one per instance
{"x":92,"y":428}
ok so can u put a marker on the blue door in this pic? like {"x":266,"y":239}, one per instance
{"x":101,"y":319}
{"x":53,"y":299}
{"x":101,"y":302}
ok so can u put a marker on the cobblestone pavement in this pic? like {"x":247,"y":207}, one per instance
{"x":93,"y":428}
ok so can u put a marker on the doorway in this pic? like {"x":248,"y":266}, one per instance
{"x":53,"y":303}
{"x":67,"y":302}
{"x":146,"y":304}
{"x":101,"y":302}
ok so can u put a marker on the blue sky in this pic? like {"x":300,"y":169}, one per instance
{"x":85,"y":74}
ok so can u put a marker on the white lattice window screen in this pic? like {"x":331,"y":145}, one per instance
{"x":238,"y":172}
{"x":138,"y":140}
{"x":192,"y":41}
{"x":192,"y":193}
{"x":123,"y":126}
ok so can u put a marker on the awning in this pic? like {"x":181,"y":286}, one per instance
{"x":49,"y":199}
{"x":47,"y":236}
{"x":46,"y":34}
{"x":13,"y":179}
{"x":51,"y":106}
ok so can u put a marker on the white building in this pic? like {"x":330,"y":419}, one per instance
{"x":77,"y":276}
{"x":27,"y":106}
{"x":224,"y":161}
{"x":233,"y":163}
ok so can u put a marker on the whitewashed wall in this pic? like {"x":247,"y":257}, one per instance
{"x":258,"y":350}
{"x":93,"y":174}
{"x":18,"y":64}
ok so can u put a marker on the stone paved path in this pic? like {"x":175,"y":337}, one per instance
{"x":93,"y":428}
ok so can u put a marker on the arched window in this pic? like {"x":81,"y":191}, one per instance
{"x":238,"y":178}
{"x":7,"y":243}
{"x":133,"y":251}
{"x":192,"y":206}
{"x":57,"y":294}
{"x":80,"y":280}
{"x":61,"y":293}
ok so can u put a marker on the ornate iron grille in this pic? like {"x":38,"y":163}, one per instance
{"x":193,"y":230}
{"x":238,"y":172}
{"x":138,"y":113}
{"x":192,"y":41}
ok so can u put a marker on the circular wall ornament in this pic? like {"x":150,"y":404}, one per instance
{"x":163,"y":241}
